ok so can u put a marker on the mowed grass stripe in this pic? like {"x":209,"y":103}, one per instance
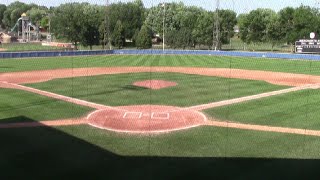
{"x":296,"y":110}
{"x":155,"y":62}
{"x":278,"y":65}
{"x":21,"y":106}
{"x":203,"y":142}
{"x":118,"y":90}
{"x":143,"y":60}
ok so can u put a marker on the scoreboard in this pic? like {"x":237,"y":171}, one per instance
{"x":308,"y":46}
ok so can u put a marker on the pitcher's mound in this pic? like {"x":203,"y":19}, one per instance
{"x":146,"y":119}
{"x":155,"y":84}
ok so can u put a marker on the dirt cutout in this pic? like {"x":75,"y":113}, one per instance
{"x":155,"y":84}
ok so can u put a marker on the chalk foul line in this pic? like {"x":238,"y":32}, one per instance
{"x":249,"y":98}
{"x":263,"y":128}
{"x":57,"y":96}
{"x":54,"y":123}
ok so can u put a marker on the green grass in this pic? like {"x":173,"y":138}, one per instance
{"x":277,"y":65}
{"x":83,"y":152}
{"x":21,"y":106}
{"x":296,"y":110}
{"x":13,"y":47}
{"x":202,"y":142}
{"x":237,"y":44}
{"x":117,"y":89}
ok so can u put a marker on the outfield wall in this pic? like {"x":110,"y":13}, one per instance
{"x":52,"y":53}
{"x":150,"y":52}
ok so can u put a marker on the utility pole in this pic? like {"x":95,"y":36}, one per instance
{"x":216,"y":31}
{"x":107,"y":36}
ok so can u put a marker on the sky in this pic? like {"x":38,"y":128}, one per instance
{"x":239,"y":6}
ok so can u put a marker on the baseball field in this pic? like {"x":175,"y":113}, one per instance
{"x":159,"y":117}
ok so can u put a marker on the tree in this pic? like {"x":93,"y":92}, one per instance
{"x":179,"y":38}
{"x":306,"y":20}
{"x":203,"y":32}
{"x":274,"y":32}
{"x":253,"y":26}
{"x":130,"y":14}
{"x":144,"y":38}
{"x":297,"y":23}
{"x":67,"y":22}
{"x":36,"y":15}
{"x":78,"y":23}
{"x":227,"y":21}
{"x":286,"y":19}
{"x":14,"y":12}
{"x":135,"y":36}
{"x":3,"y":8}
{"x":117,"y":37}
{"x":243,"y":23}
{"x":91,"y":24}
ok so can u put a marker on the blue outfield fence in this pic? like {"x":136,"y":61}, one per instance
{"x":52,"y":53}
{"x":151,"y":52}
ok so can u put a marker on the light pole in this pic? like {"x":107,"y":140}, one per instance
{"x":233,"y":30}
{"x":163,"y":24}
{"x":216,"y":31}
{"x":107,"y":35}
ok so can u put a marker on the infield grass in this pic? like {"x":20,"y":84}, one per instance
{"x":297,"y":110}
{"x":117,"y":89}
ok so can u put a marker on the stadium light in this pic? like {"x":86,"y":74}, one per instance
{"x":107,"y":37}
{"x":216,"y":29}
{"x":163,"y":24}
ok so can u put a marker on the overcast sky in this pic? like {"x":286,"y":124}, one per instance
{"x":239,"y":6}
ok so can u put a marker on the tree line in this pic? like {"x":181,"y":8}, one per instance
{"x":131,"y":24}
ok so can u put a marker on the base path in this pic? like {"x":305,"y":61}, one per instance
{"x":278,"y":78}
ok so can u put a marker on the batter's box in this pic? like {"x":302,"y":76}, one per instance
{"x":165,"y":116}
{"x":132,"y":115}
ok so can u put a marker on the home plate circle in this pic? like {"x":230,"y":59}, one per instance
{"x":146,"y":119}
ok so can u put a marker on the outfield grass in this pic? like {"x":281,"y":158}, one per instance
{"x":277,"y":65}
{"x":296,"y":110}
{"x":83,"y":152}
{"x":117,"y":89}
{"x":21,"y":106}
